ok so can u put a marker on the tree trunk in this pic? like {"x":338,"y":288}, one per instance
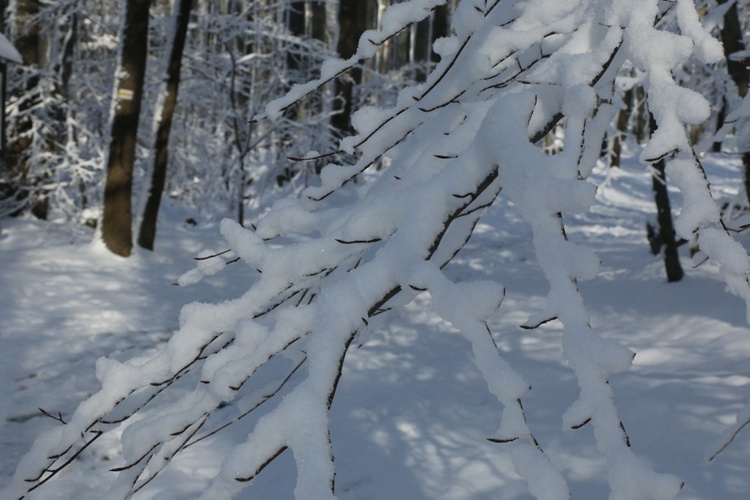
{"x":67,"y":53}
{"x":117,"y":216}
{"x":426,"y":32}
{"x":352,"y":23}
{"x":665,"y":236}
{"x":316,"y":20}
{"x":296,"y":25}
{"x":731,"y":38}
{"x":332,"y":27}
{"x":666,"y":228}
{"x":720,"y":114}
{"x":181,"y":18}
{"x":641,"y":121}
{"x":621,"y":124}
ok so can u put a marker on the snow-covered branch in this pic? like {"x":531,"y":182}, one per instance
{"x":344,"y":252}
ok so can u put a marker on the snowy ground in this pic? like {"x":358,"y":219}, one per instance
{"x":412,"y":413}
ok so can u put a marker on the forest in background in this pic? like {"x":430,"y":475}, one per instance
{"x":189,"y":133}
{"x":235,"y":57}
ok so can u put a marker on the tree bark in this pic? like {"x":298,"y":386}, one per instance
{"x":296,"y":26}
{"x":666,"y":228}
{"x":117,"y":216}
{"x":147,"y":233}
{"x":622,"y":127}
{"x":316,"y":20}
{"x":665,"y":236}
{"x":352,"y":23}
{"x":67,"y":53}
{"x":731,"y":38}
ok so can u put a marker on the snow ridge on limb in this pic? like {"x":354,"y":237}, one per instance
{"x":466,"y":306}
{"x":543,"y":188}
{"x":593,"y":359}
{"x":673,"y":108}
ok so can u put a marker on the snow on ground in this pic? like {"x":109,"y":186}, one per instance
{"x":412,"y":412}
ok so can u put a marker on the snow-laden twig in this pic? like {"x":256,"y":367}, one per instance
{"x":743,"y":420}
{"x":673,"y":108}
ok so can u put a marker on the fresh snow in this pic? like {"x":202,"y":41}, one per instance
{"x":413,"y":413}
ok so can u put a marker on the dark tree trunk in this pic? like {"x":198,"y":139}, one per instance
{"x":29,"y":40}
{"x":746,"y":176}
{"x":731,"y":37}
{"x":666,"y":228}
{"x":67,"y":56}
{"x":429,"y":30}
{"x":423,"y":48}
{"x":296,"y":24}
{"x":640,"y":124}
{"x":147,"y":233}
{"x":664,"y":237}
{"x":720,"y":114}
{"x":318,"y":28}
{"x":622,"y":127}
{"x":298,"y":59}
{"x":352,"y":23}
{"x":117,"y":216}
{"x":440,"y":26}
